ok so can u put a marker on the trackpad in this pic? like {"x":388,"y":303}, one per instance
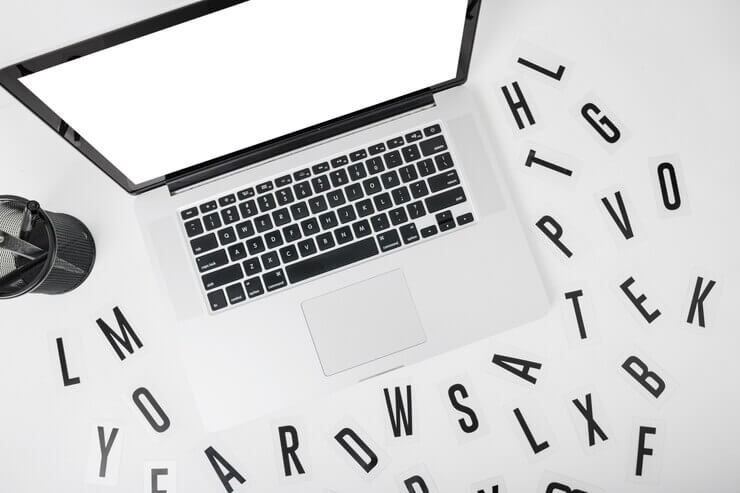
{"x":363,"y":322}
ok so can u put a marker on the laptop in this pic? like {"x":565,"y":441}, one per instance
{"x":315,"y":186}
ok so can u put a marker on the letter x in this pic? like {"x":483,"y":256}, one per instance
{"x":593,"y":426}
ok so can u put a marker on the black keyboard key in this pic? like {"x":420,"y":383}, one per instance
{"x":444,"y":161}
{"x":408,"y":173}
{"x":401,"y":195}
{"x":362,"y":228}
{"x":307,"y":247}
{"x":252,"y":266}
{"x":204,"y":244}
{"x":226,"y":236}
{"x":245,"y":194}
{"x":254,"y":287}
{"x":320,"y":184}
{"x":325,"y":241}
{"x":264,"y":187}
{"x":428,"y":231}
{"x":223,"y":276}
{"x":193,"y":228}
{"x":283,"y":181}
{"x":376,"y":149}
{"x":339,"y":161}
{"x":292,"y":233}
{"x":317,"y":204}
{"x":398,"y":216}
{"x":189,"y":213}
{"x":397,"y":142}
{"x":382,"y":201}
{"x":393,"y":159}
{"x":270,"y":260}
{"x":237,"y":252}
{"x":389,"y":240}
{"x":380,"y":222}
{"x":416,"y":209}
{"x":266,"y":202}
{"x":409,"y":233}
{"x":301,"y":174}
{"x":411,"y":153}
{"x":212,"y":260}
{"x":343,"y":235}
{"x":288,"y":254}
{"x":212,"y":221}
{"x":447,"y":225}
{"x":357,"y":155}
{"x":433,"y":130}
{"x":310,"y":226}
{"x":414,"y":136}
{"x":465,"y":218}
{"x":357,"y":171}
{"x":302,"y":190}
{"x":354,"y":192}
{"x":217,"y":300}
{"x":284,"y":196}
{"x":227,"y":200}
{"x":443,"y":217}
{"x":346,"y":214}
{"x":273,"y":239}
{"x":335,"y":259}
{"x":248,"y":209}
{"x":445,"y":200}
{"x":245,"y":229}
{"x":255,"y":245}
{"x":299,"y":210}
{"x":335,"y":198}
{"x":281,"y":217}
{"x":274,"y":280}
{"x":328,"y":220}
{"x":230,"y":215}
{"x":443,"y":181}
{"x":263,"y":223}
{"x":426,"y":167}
{"x":339,"y":177}
{"x":419,"y":189}
{"x":433,"y":145}
{"x":364,"y":208}
{"x":208,"y":206}
{"x":390,"y":180}
{"x":372,"y":185}
{"x":374,"y":165}
{"x":320,"y":168}
{"x":235,"y":294}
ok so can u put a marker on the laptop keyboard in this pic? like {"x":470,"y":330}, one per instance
{"x":276,"y":233}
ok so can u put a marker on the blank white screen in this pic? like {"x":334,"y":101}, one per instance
{"x":248,"y":74}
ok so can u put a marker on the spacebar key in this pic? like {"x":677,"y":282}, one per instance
{"x":329,"y":261}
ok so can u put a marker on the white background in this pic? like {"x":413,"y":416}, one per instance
{"x":668,"y":70}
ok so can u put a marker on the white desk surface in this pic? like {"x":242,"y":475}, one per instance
{"x":669,"y":70}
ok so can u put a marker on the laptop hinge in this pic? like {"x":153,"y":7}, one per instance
{"x":228,"y":164}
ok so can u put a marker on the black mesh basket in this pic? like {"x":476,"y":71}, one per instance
{"x":41,"y":251}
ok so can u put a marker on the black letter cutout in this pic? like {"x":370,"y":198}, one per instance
{"x":642,"y":451}
{"x":459,"y":388}
{"x":289,"y":451}
{"x":217,"y":461}
{"x":414,"y":481}
{"x":605,"y":122}
{"x":144,"y":392}
{"x":593,"y":426}
{"x":537,"y":68}
{"x":515,"y":106}
{"x":555,"y":486}
{"x":105,"y":448}
{"x":402,"y":412}
{"x":670,"y":204}
{"x":508,"y":362}
{"x":155,"y":479}
{"x":120,"y":340}
{"x":638,"y":301}
{"x":494,"y":489}
{"x":645,"y":376}
{"x":697,"y":300}
{"x":75,"y":380}
{"x":622,"y":221}
{"x":574,"y":295}
{"x":555,"y":234}
{"x":536,"y":447}
{"x":372,"y":459}
{"x":533,"y":159}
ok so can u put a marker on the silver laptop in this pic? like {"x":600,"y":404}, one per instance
{"x":314,"y":183}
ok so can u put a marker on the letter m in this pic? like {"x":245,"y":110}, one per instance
{"x":125,"y":338}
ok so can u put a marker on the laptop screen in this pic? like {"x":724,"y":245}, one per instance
{"x":247,"y":74}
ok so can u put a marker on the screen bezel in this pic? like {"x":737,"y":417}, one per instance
{"x":9,"y":79}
